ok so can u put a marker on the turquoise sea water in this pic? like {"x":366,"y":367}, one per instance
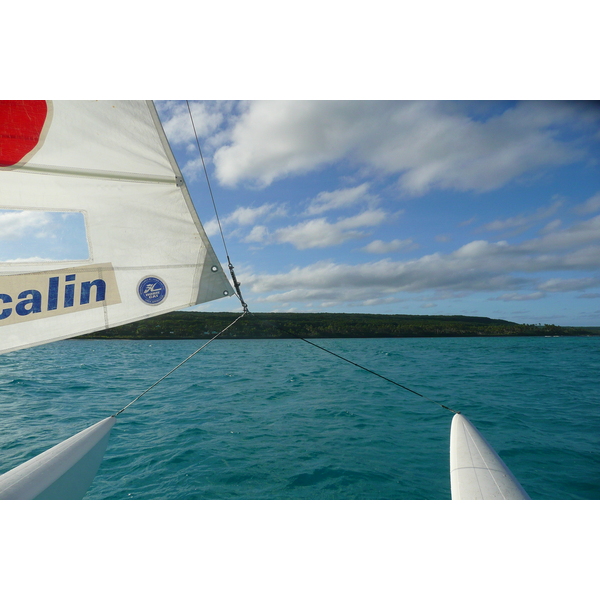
{"x":279,"y":419}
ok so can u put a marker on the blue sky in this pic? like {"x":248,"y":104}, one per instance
{"x":438,"y":207}
{"x":28,"y":235}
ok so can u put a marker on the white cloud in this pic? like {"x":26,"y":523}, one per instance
{"x":18,"y":224}
{"x":248,"y":215}
{"x":211,"y":228}
{"x":274,"y":139}
{"x":584,"y":232}
{"x":368,"y":218}
{"x":339,"y":199}
{"x":29,"y":259}
{"x":382,"y":277}
{"x":552,"y":226}
{"x":519,"y":297}
{"x":478,"y":266}
{"x":427,"y":144}
{"x":320,"y":233}
{"x":590,"y":205}
{"x":259,"y":234}
{"x":208,"y":118}
{"x":524,"y":221}
{"x":311,"y":233}
{"x":210,"y":122}
{"x":569,"y":285}
{"x":316,"y":233}
{"x":381,"y":247}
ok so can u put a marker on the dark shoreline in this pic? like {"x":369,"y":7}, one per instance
{"x":204,"y":325}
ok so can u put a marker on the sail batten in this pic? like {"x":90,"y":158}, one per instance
{"x":96,"y":174}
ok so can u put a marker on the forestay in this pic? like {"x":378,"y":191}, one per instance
{"x":148,"y":253}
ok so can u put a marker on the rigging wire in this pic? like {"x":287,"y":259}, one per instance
{"x":236,"y":284}
{"x":180,"y":364}
{"x":359,"y":366}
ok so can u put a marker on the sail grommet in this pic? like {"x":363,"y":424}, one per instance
{"x":225,"y":293}
{"x":214,"y":268}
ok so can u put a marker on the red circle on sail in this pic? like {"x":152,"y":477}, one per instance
{"x":21,"y":124}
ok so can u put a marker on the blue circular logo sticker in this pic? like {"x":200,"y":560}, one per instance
{"x":152,"y":290}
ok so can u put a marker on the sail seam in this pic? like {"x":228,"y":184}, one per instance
{"x":96,"y":174}
{"x":89,"y":265}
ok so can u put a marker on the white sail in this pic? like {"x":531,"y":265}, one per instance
{"x":148,"y":253}
{"x":476,"y":470}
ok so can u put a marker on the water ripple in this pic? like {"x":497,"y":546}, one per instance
{"x":276,"y":419}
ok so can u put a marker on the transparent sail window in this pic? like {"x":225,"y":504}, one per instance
{"x":42,"y":236}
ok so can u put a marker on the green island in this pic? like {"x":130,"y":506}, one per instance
{"x":205,"y":325}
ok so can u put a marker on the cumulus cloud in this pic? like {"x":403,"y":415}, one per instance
{"x":246,"y":216}
{"x":382,"y":279}
{"x":523,"y":221}
{"x":38,"y":235}
{"x":519,"y":297}
{"x":342,"y":198}
{"x":553,"y":225}
{"x":320,"y":233}
{"x":310,"y":233}
{"x":427,"y":144}
{"x":259,"y":234}
{"x":591,"y":205}
{"x":209,"y":121}
{"x":579,"y":234}
{"x":211,"y":228}
{"x":29,"y":259}
{"x":569,"y":285}
{"x":479,"y":266}
{"x":381,"y":247}
{"x":17,"y":224}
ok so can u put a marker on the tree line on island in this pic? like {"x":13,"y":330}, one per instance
{"x":205,"y":325}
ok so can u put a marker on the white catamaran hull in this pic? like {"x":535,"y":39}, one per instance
{"x":476,"y":471}
{"x":63,"y":472}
